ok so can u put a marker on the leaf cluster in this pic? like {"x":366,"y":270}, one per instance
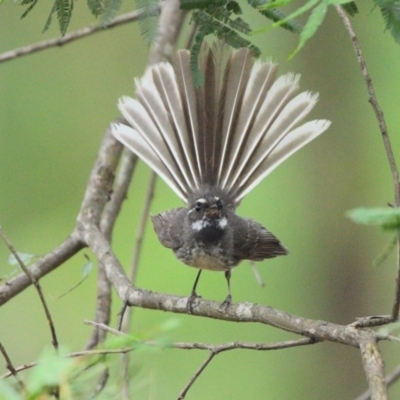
{"x":105,"y":10}
{"x":386,"y":218}
{"x":390,"y":10}
{"x":73,"y":377}
{"x":223,"y":19}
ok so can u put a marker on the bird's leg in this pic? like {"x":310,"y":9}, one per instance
{"x":227,"y":302}
{"x":193,"y":295}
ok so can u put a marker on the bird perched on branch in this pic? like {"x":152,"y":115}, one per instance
{"x":212,"y":145}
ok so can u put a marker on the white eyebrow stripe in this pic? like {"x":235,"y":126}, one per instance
{"x":201,"y":200}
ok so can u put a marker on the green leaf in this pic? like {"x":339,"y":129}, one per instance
{"x":111,"y":8}
{"x":64,"y":11}
{"x":200,"y":4}
{"x":238,"y":24}
{"x":148,"y":19}
{"x":386,"y":218}
{"x":307,"y":6}
{"x":117,"y":342}
{"x":198,"y":77}
{"x":49,"y":18}
{"x":390,"y":10}
{"x":29,"y":9}
{"x":50,"y":371}
{"x":234,"y":7}
{"x":278,"y":16}
{"x":7,"y":391}
{"x":351,"y":8}
{"x":87,"y":268}
{"x":170,"y":324}
{"x":26,"y":258}
{"x":274,"y":15}
{"x":274,"y":4}
{"x":95,"y":7}
{"x":313,"y":23}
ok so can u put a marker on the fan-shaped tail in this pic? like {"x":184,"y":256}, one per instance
{"x":229,"y":134}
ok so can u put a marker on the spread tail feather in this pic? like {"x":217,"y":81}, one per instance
{"x":229,"y":134}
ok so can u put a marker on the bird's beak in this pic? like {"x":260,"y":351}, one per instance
{"x":212,"y":213}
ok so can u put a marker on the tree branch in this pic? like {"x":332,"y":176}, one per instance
{"x":69,"y":37}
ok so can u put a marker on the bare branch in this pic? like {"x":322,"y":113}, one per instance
{"x":69,"y":37}
{"x":142,"y":226}
{"x":108,"y":218}
{"x":192,"y":380}
{"x":374,"y":369}
{"x":119,"y":193}
{"x":372,"y":321}
{"x":216,"y":349}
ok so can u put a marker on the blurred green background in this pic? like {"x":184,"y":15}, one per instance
{"x":55,"y":106}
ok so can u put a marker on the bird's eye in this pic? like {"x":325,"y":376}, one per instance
{"x":219,"y":204}
{"x":198,"y":206}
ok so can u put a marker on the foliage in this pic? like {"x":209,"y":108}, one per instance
{"x":221,"y":18}
{"x":148,"y":20}
{"x":105,"y":10}
{"x":390,"y":10}
{"x":317,"y":15}
{"x":73,"y":377}
{"x":386,"y":218}
{"x":26,"y":258}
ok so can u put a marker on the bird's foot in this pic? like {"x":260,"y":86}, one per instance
{"x":191,"y":300}
{"x":226,"y":303}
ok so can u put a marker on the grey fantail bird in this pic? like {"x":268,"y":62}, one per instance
{"x":212,"y":145}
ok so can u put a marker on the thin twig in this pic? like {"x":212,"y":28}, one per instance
{"x":193,"y":379}
{"x":36,"y":283}
{"x":104,"y":327}
{"x":386,"y":141}
{"x":10,"y":367}
{"x":371,"y":321}
{"x":142,"y":227}
{"x":390,"y":338}
{"x":121,"y":316}
{"x":216,"y":348}
{"x":42,"y":267}
{"x":69,"y":37}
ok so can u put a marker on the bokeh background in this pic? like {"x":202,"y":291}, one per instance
{"x":54,"y":108}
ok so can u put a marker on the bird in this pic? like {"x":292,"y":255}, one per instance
{"x":212,"y":144}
